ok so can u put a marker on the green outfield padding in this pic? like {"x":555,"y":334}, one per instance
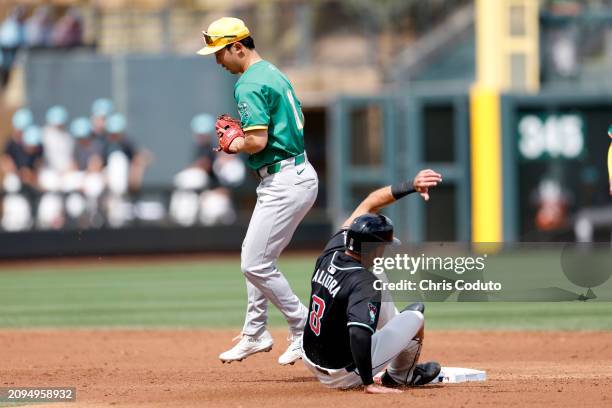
{"x":211,"y":294}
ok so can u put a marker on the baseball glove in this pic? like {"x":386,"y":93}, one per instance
{"x":228,"y":129}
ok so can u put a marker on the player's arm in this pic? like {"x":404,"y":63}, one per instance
{"x":254,"y":141}
{"x":382,"y":197}
{"x":361,"y":346}
{"x":362,"y":302}
{"x":254,"y":109}
{"x":361,"y":349}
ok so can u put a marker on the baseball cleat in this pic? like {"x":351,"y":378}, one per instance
{"x":293,"y":352}
{"x":385,"y":380}
{"x":417,"y":307}
{"x":425,"y":373}
{"x":247,"y":346}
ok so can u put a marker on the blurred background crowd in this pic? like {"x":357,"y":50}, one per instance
{"x":107,"y":115}
{"x":37,"y":27}
{"x":83,"y":172}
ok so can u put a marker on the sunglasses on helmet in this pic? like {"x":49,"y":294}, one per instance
{"x":212,"y":40}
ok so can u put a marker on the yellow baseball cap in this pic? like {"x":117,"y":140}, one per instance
{"x":222,"y":32}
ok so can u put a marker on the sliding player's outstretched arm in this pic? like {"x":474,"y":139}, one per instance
{"x":384,"y":196}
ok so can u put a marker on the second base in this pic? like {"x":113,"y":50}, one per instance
{"x":458,"y":375}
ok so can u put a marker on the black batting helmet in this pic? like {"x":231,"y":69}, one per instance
{"x":369,"y":228}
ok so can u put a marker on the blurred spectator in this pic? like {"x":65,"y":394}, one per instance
{"x":12,"y":31}
{"x":38,"y":28}
{"x":552,"y":205}
{"x":196,"y":175}
{"x":15,"y":157}
{"x":23,"y":154}
{"x":100,"y":111}
{"x":12,"y":37}
{"x":32,"y":143}
{"x":216,"y":205}
{"x":20,"y":163}
{"x":229,"y":170}
{"x":88,"y":150}
{"x":68,"y":31}
{"x":57,"y":142}
{"x":118,"y":144}
{"x":190,"y":182}
{"x":208,"y":170}
{"x":82,"y":205}
{"x":57,"y":175}
{"x":125,"y":168}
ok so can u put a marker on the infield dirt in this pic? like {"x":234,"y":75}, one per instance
{"x":179,"y":368}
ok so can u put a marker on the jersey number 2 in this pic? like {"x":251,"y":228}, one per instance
{"x":318,"y":307}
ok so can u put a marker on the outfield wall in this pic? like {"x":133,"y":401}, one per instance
{"x":311,"y":235}
{"x":553,"y":160}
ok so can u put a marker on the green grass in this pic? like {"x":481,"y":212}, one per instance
{"x":212,"y":294}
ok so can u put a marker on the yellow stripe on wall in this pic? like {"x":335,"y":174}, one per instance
{"x":486,"y":165}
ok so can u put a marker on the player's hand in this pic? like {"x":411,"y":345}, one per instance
{"x":379,"y":389}
{"x":424,"y":180}
{"x":236,"y":145}
{"x":228,"y":130}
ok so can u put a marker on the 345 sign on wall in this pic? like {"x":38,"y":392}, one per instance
{"x":542,"y":137}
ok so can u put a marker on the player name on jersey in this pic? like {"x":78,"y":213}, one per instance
{"x":325,"y":279}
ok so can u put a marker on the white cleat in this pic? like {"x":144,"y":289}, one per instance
{"x":247,"y":346}
{"x":293,"y":352}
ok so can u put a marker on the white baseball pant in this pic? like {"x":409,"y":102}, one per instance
{"x":394,"y":345}
{"x":283,"y":199}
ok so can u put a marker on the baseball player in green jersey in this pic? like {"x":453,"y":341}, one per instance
{"x":271,"y":133}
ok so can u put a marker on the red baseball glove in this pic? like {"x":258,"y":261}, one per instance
{"x":227,"y":129}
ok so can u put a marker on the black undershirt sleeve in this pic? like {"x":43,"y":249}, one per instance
{"x":361,"y":349}
{"x":402,"y":189}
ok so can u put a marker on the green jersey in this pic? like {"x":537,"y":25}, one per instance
{"x":266,"y":100}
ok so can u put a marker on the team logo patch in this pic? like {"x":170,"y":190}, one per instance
{"x":372,"y":309}
{"x":243,"y":110}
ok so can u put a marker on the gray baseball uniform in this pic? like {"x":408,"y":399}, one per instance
{"x":287,"y":190}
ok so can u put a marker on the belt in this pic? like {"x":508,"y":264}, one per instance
{"x":276,"y":167}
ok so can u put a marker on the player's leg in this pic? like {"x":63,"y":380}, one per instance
{"x":255,"y":337}
{"x":404,"y":368}
{"x":259,"y":262}
{"x":398,"y":345}
{"x":387,"y":344}
{"x":259,"y":254}
{"x":257,"y":312}
{"x":256,"y":316}
{"x":280,"y":208}
{"x":283,"y":201}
